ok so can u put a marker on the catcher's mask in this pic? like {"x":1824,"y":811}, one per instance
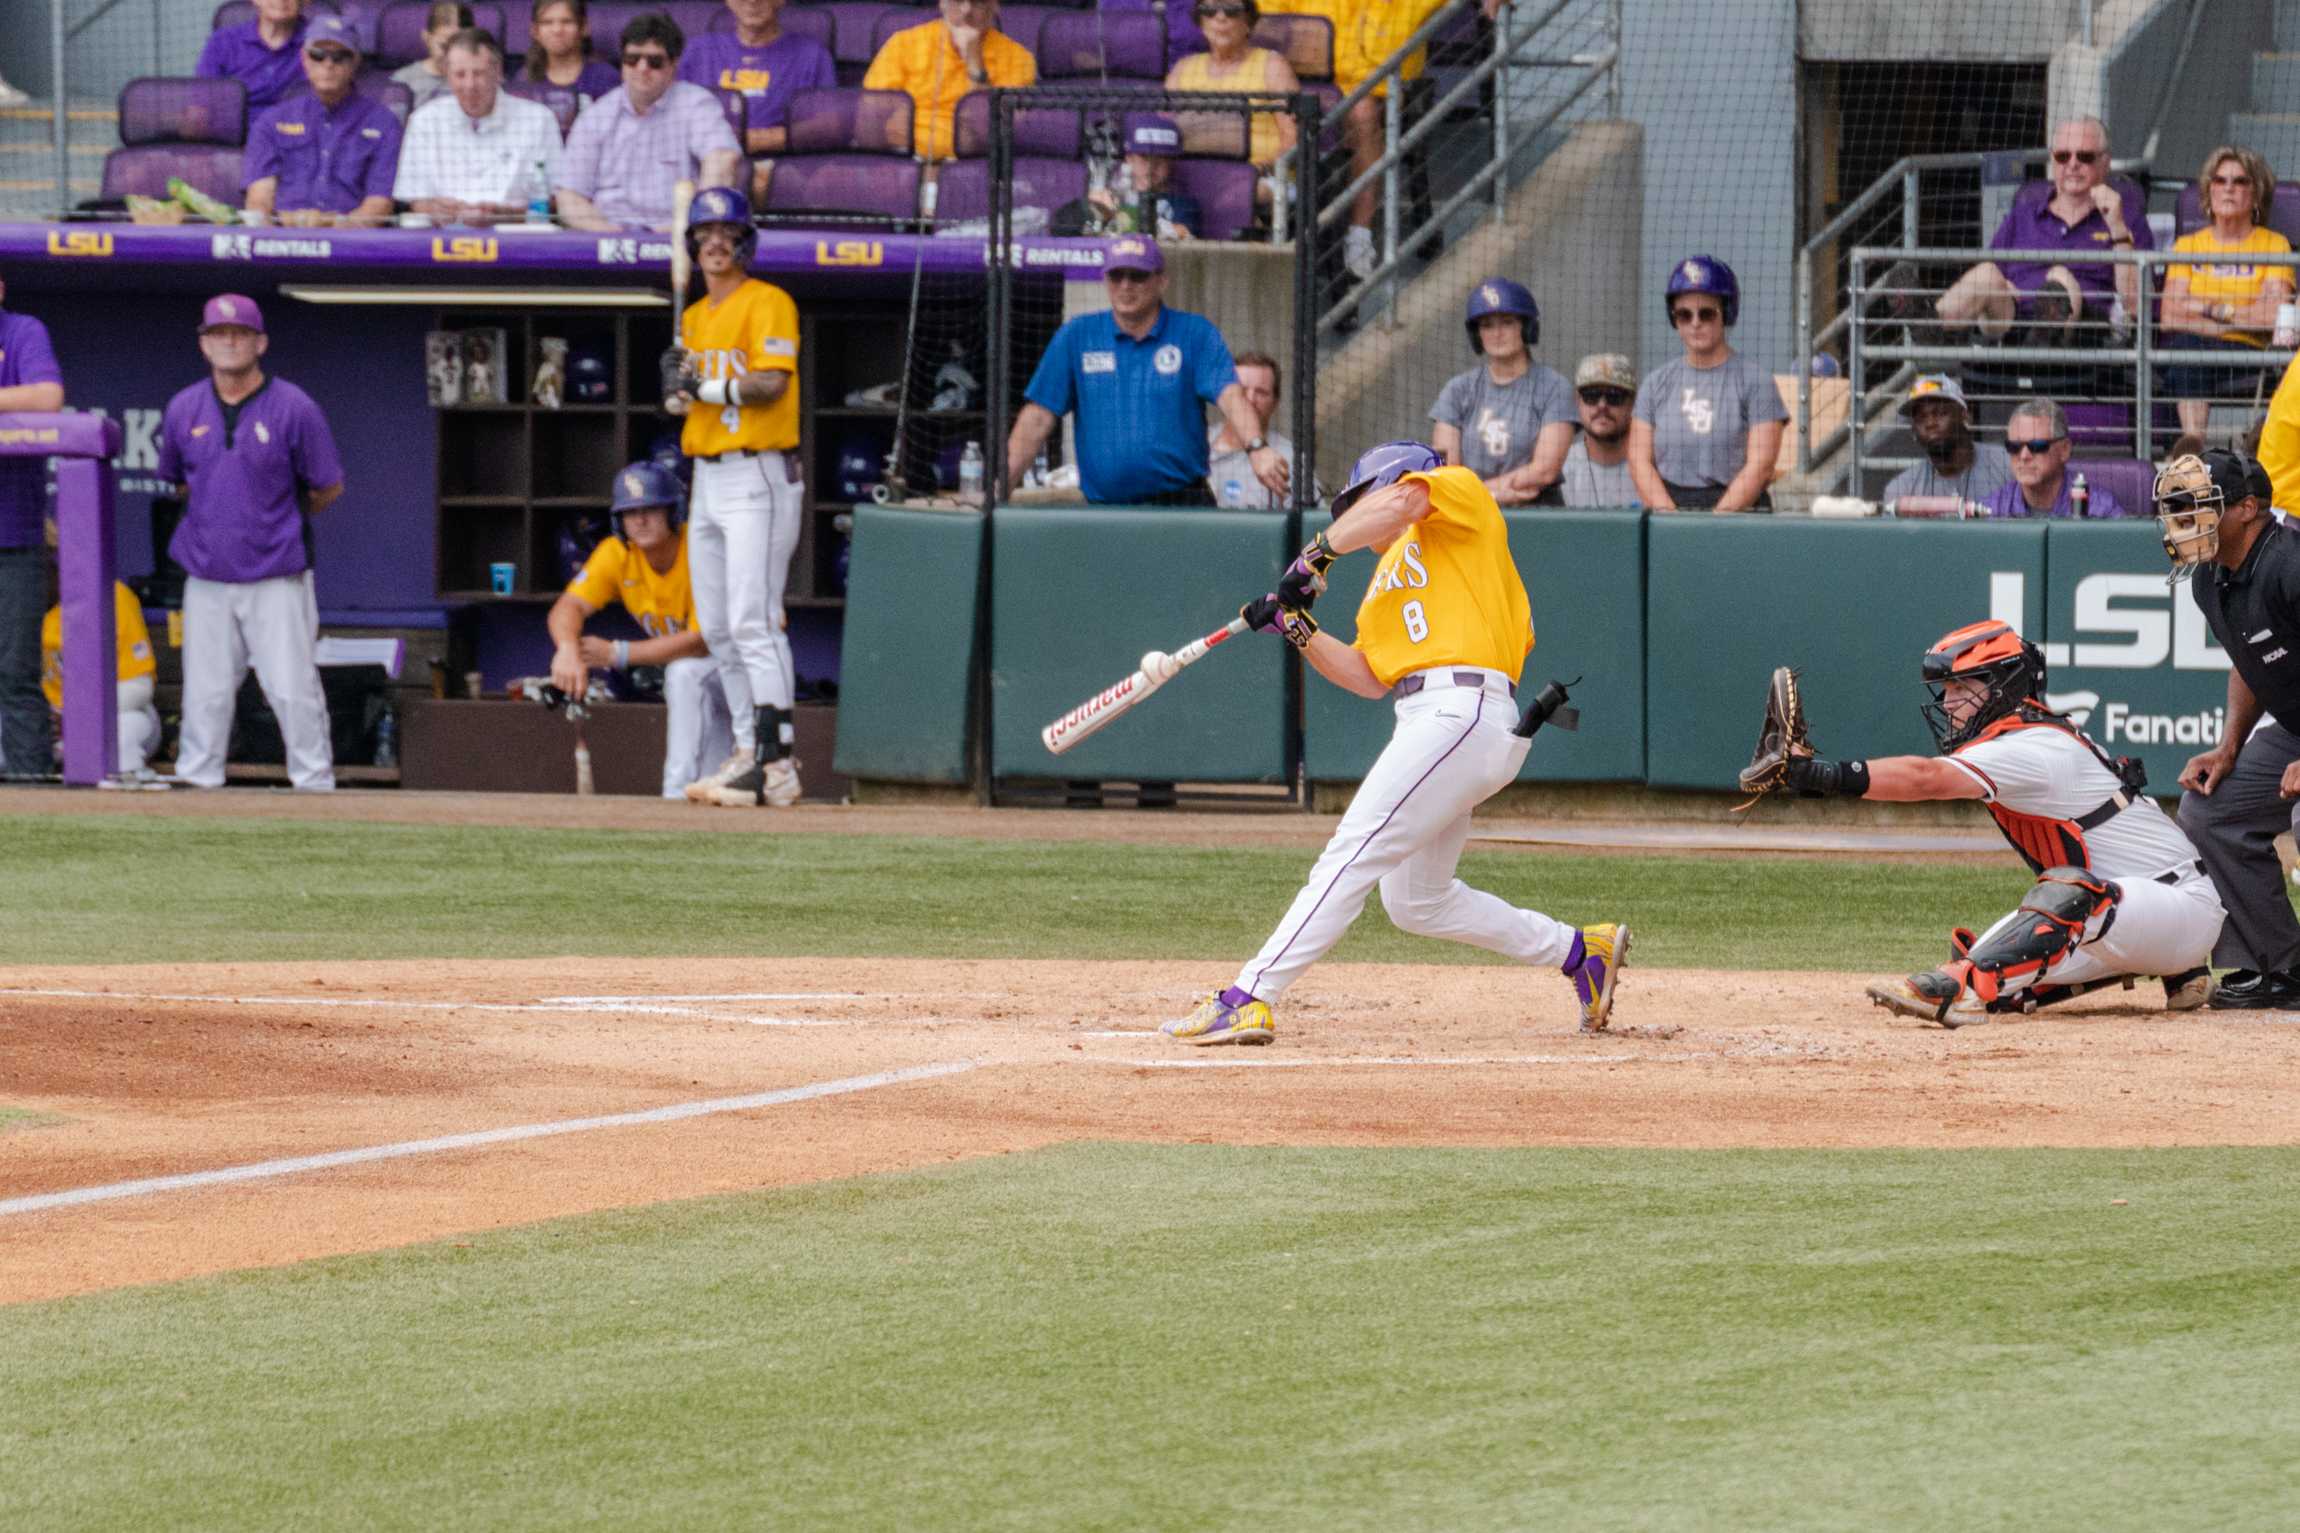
{"x":2192,"y":495}
{"x":1990,"y":653}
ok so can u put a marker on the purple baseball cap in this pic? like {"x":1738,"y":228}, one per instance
{"x":232,"y":309}
{"x":324,"y":28}
{"x":1133,"y":253}
{"x":1152,"y":133}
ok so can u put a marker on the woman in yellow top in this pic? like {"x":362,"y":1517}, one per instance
{"x":2229,"y":302}
{"x":1231,"y":62}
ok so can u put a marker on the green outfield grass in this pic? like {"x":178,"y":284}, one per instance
{"x":1121,"y":1336}
{"x":105,"y":889}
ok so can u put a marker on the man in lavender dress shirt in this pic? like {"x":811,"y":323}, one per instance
{"x":328,"y":156}
{"x":2041,"y":485}
{"x":265,"y":55}
{"x":31,"y":382}
{"x":625,"y":153}
{"x":256,"y":458}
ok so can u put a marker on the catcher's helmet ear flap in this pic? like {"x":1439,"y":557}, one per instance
{"x":2191,"y":496}
{"x":646,"y":486}
{"x":722,"y":205}
{"x":1704,"y":274}
{"x":1385,"y":465}
{"x":1990,"y":654}
{"x":1499,"y":295}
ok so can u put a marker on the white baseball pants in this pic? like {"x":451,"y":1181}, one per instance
{"x":697,"y":734}
{"x":1454,"y":748}
{"x":2159,"y":929}
{"x":273,"y":625}
{"x":139,"y":722}
{"x":742,"y":528}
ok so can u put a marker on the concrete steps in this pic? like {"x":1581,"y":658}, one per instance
{"x":2274,"y":134}
{"x":2276,"y":83}
{"x":2287,"y":29}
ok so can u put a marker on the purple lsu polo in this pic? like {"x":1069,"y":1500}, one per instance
{"x":768,"y":76}
{"x":270,"y":74}
{"x":2034,"y":226}
{"x":329,"y":159}
{"x":243,"y":516}
{"x":25,"y":357}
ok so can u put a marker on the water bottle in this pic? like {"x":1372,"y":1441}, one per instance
{"x":387,"y":739}
{"x":2080,"y":497}
{"x":970,"y":473}
{"x":2287,"y":326}
{"x":539,"y":197}
{"x":583,"y":781}
{"x":1040,"y":471}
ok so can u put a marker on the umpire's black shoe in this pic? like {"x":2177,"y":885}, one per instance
{"x":2276,"y":990}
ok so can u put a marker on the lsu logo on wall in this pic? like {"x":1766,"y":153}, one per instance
{"x":78,"y":242}
{"x":849,"y":253}
{"x":463,"y":247}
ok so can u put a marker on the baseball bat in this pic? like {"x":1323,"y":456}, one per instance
{"x":682,"y":263}
{"x":1154,"y":672}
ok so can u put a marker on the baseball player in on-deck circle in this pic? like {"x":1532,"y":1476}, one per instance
{"x":736,"y":382}
{"x":2119,"y":890}
{"x":1444,"y":628}
{"x":643,"y":565}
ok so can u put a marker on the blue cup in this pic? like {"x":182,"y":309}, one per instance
{"x":501,"y":578}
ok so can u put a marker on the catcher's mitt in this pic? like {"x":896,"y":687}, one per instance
{"x":1782,"y":740}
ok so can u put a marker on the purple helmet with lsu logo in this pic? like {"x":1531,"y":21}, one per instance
{"x":1499,"y":295}
{"x":1704,"y":274}
{"x":722,"y":205}
{"x":1379,"y":467}
{"x":646,"y":486}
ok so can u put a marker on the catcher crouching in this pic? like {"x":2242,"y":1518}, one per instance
{"x":2119,"y":889}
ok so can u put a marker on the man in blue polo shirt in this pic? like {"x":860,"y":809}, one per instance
{"x":326,"y":157}
{"x":1140,"y":377}
{"x":29,"y":381}
{"x":265,"y":55}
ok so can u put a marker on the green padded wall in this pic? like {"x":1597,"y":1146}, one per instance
{"x":907,"y":660}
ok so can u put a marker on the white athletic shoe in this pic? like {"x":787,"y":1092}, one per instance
{"x":1358,"y":252}
{"x":700,"y":790}
{"x":775,"y":786}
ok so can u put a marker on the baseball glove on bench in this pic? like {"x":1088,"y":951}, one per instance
{"x":1781,"y":742}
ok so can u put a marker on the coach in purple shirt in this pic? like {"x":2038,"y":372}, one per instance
{"x":625,"y":152}
{"x":2084,"y":212}
{"x":31,"y":382}
{"x":2041,"y":485}
{"x":255,"y":458}
{"x":326,"y":157}
{"x":265,"y":54}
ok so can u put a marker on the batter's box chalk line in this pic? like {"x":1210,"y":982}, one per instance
{"x":559,"y":1006}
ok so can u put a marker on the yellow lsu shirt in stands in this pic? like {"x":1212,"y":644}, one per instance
{"x":756,"y":330}
{"x":2227,"y":281}
{"x":129,"y":636}
{"x":1447,"y":592}
{"x":661,"y":602}
{"x":924,"y":62}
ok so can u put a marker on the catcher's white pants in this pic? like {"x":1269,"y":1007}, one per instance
{"x":273,"y":625}
{"x":1454,"y":748}
{"x":697,"y":733}
{"x":2159,"y":929}
{"x":139,"y":722}
{"x":742,"y":528}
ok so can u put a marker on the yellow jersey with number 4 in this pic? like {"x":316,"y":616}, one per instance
{"x":755,"y":330}
{"x":130,"y":638}
{"x":661,"y":601}
{"x":1447,"y":592}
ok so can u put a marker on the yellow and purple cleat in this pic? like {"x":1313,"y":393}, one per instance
{"x":1594,"y":965}
{"x":1217,"y":1019}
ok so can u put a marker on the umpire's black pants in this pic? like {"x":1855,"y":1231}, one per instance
{"x":2234,"y":829}
{"x":24,"y":733}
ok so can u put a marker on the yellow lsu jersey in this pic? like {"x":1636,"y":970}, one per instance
{"x":755,"y":330}
{"x":129,"y":636}
{"x":1447,"y":591}
{"x":661,"y":601}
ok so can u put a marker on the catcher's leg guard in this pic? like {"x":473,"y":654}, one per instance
{"x":2065,"y":907}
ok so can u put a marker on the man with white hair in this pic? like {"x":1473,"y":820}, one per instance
{"x":2084,"y":212}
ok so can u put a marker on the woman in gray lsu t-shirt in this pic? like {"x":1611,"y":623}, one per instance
{"x":1708,"y":424}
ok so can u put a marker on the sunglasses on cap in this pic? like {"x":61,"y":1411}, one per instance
{"x":2081,"y":156}
{"x":1595,"y":395}
{"x":632,"y":60}
{"x":328,"y":55}
{"x":2039,"y":447}
{"x":1689,"y":316}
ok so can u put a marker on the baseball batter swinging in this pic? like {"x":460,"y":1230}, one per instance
{"x":1444,"y":628}
{"x":736,"y":382}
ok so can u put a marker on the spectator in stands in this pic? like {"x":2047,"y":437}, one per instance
{"x":31,"y":382}
{"x":427,"y":76}
{"x":2231,"y":302}
{"x":940,"y":61}
{"x":2084,"y":213}
{"x":265,"y":55}
{"x":327,"y":156}
{"x":1145,"y":201}
{"x":561,"y":50}
{"x":1954,"y":463}
{"x":1140,"y":376}
{"x":767,"y":66}
{"x":134,"y":670}
{"x":12,"y":95}
{"x":1596,"y":469}
{"x":1230,"y":468}
{"x":1231,"y":62}
{"x":651,"y":131}
{"x":2041,"y":485}
{"x":2277,"y":442}
{"x":472,"y":156}
{"x":1708,"y":424}
{"x":1510,"y":419}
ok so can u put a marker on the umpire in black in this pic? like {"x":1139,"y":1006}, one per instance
{"x":2217,"y":524}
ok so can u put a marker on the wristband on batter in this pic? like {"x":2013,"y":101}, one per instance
{"x":1298,"y":628}
{"x":1813,"y":777}
{"x":1319,"y":555}
{"x":716,"y":391}
{"x":622,"y":654}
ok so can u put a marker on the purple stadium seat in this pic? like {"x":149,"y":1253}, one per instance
{"x":1087,"y":44}
{"x":183,"y":111}
{"x":1224,"y":189}
{"x":853,"y":25}
{"x":378,"y":86}
{"x":1214,"y":135}
{"x":695,"y":16}
{"x":399,"y":30}
{"x":844,"y":187}
{"x":844,"y":121}
{"x":963,"y":191}
{"x":608,"y":19}
{"x":565,"y":101}
{"x":1023,"y":23}
{"x":143,"y":169}
{"x":2283,"y":212}
{"x":233,"y":13}
{"x":2131,"y":481}
{"x":1047,"y":131}
{"x":1306,"y":42}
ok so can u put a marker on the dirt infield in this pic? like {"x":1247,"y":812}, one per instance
{"x":157,"y":1072}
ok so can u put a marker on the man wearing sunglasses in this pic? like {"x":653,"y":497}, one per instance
{"x":326,"y":157}
{"x":1597,"y":464}
{"x":2041,"y":485}
{"x":2083,"y":212}
{"x":632,"y":145}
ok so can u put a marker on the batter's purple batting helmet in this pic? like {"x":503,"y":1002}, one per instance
{"x":1379,"y":467}
{"x":1704,"y":274}
{"x":722,"y":205}
{"x":646,"y":486}
{"x":1499,"y":295}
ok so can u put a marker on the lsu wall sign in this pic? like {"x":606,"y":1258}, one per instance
{"x":78,"y":242}
{"x":462,"y":247}
{"x":849,"y":253}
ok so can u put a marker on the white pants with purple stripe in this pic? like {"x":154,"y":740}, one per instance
{"x":742,"y":529}
{"x":1455,"y":747}
{"x":273,"y":625}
